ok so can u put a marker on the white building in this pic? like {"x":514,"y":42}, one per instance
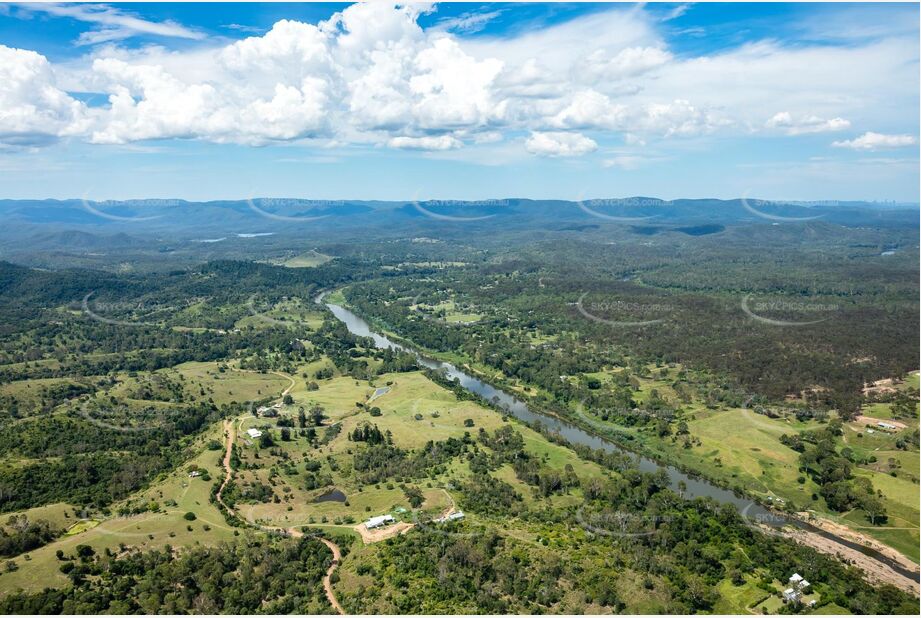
{"x":886,"y":426}
{"x":254,"y":433}
{"x":458,"y":515}
{"x":798,"y":585}
{"x":380,"y":520}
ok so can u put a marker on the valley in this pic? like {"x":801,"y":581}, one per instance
{"x":230,"y":407}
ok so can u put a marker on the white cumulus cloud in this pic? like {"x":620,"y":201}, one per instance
{"x":440,"y":142}
{"x":371,"y":75}
{"x":33,"y":109}
{"x":559,"y":144}
{"x":876,"y":141}
{"x":799,"y":125}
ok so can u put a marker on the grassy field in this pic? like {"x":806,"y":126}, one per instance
{"x":739,"y":599}
{"x":450,"y":312}
{"x":410,"y":394}
{"x":204,"y":381}
{"x":33,"y":393}
{"x":308,"y":259}
{"x":175,"y":495}
{"x":415,"y":411}
{"x":743,"y":448}
{"x":232,"y":384}
{"x":292,"y":312}
{"x":61,"y":516}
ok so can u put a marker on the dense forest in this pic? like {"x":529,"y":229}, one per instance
{"x":258,"y":575}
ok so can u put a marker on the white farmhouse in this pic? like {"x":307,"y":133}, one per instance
{"x":254,"y":433}
{"x":794,"y":593}
{"x":380,"y":520}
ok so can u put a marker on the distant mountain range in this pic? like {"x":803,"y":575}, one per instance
{"x":87,"y":226}
{"x":273,"y":214}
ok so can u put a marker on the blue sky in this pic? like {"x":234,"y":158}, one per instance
{"x":459,"y":100}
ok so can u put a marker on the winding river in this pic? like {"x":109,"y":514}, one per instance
{"x":689,"y":486}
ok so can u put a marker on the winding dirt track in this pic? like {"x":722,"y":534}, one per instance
{"x":230,"y":431}
{"x":327,"y":579}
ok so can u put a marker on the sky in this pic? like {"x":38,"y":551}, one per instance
{"x":459,"y":101}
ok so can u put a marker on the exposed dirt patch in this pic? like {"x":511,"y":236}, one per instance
{"x":385,"y":532}
{"x":875,"y":571}
{"x":886,"y":385}
{"x":870,"y":421}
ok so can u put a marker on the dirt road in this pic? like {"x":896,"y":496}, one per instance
{"x":327,"y":580}
{"x":230,"y":430}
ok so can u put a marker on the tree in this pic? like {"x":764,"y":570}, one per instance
{"x":876,"y":511}
{"x":317,"y":415}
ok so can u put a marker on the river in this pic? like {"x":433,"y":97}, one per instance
{"x":689,"y":486}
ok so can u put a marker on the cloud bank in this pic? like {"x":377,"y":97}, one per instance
{"x":371,"y":75}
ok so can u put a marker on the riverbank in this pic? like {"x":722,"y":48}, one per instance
{"x":842,"y":531}
{"x":875,"y":571}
